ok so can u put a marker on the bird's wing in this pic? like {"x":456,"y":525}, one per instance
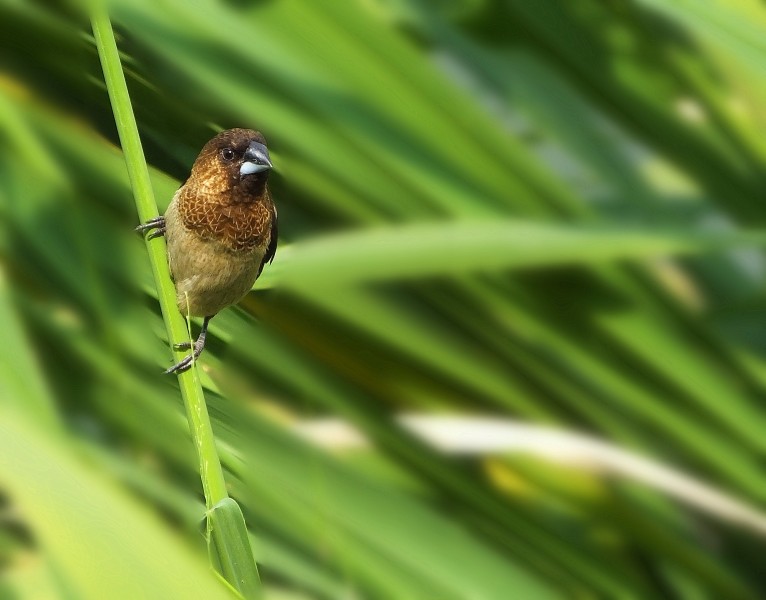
{"x":271,"y":249}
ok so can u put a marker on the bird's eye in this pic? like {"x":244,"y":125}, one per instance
{"x":227,"y":154}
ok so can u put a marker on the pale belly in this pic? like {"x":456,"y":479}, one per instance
{"x":207,"y":276}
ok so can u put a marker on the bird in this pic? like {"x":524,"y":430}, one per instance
{"x":220,"y":229}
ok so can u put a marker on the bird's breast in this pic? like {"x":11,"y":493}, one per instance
{"x":240,"y":227}
{"x":208,"y":275}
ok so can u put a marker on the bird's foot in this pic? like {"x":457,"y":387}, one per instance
{"x":196,"y":348}
{"x":187,"y":362}
{"x":157,"y":223}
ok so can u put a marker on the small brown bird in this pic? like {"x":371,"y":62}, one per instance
{"x":221,"y":229}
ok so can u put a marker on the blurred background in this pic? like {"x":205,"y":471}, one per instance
{"x":564,"y":407}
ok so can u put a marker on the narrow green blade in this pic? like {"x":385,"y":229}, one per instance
{"x":230,"y":549}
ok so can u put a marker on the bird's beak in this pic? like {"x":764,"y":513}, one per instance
{"x":256,"y":159}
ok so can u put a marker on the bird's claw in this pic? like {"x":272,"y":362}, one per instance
{"x":196,"y":348}
{"x":187,"y":362}
{"x":157,"y":223}
{"x":182,"y":366}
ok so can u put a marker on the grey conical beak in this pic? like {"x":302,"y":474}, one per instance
{"x":256,"y":159}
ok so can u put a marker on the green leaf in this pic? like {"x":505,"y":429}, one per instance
{"x":106,"y":545}
{"x":433,"y":249}
{"x":231,"y":546}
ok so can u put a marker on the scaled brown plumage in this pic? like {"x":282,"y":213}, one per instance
{"x":237,"y":226}
{"x":221,"y":228}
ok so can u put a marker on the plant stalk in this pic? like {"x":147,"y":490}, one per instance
{"x":211,"y":472}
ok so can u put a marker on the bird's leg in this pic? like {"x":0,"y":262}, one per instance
{"x":157,"y":223}
{"x":196,"y":349}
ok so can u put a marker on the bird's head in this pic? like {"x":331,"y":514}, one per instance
{"x":236,"y":162}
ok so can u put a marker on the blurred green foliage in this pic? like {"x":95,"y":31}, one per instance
{"x":625,"y":129}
